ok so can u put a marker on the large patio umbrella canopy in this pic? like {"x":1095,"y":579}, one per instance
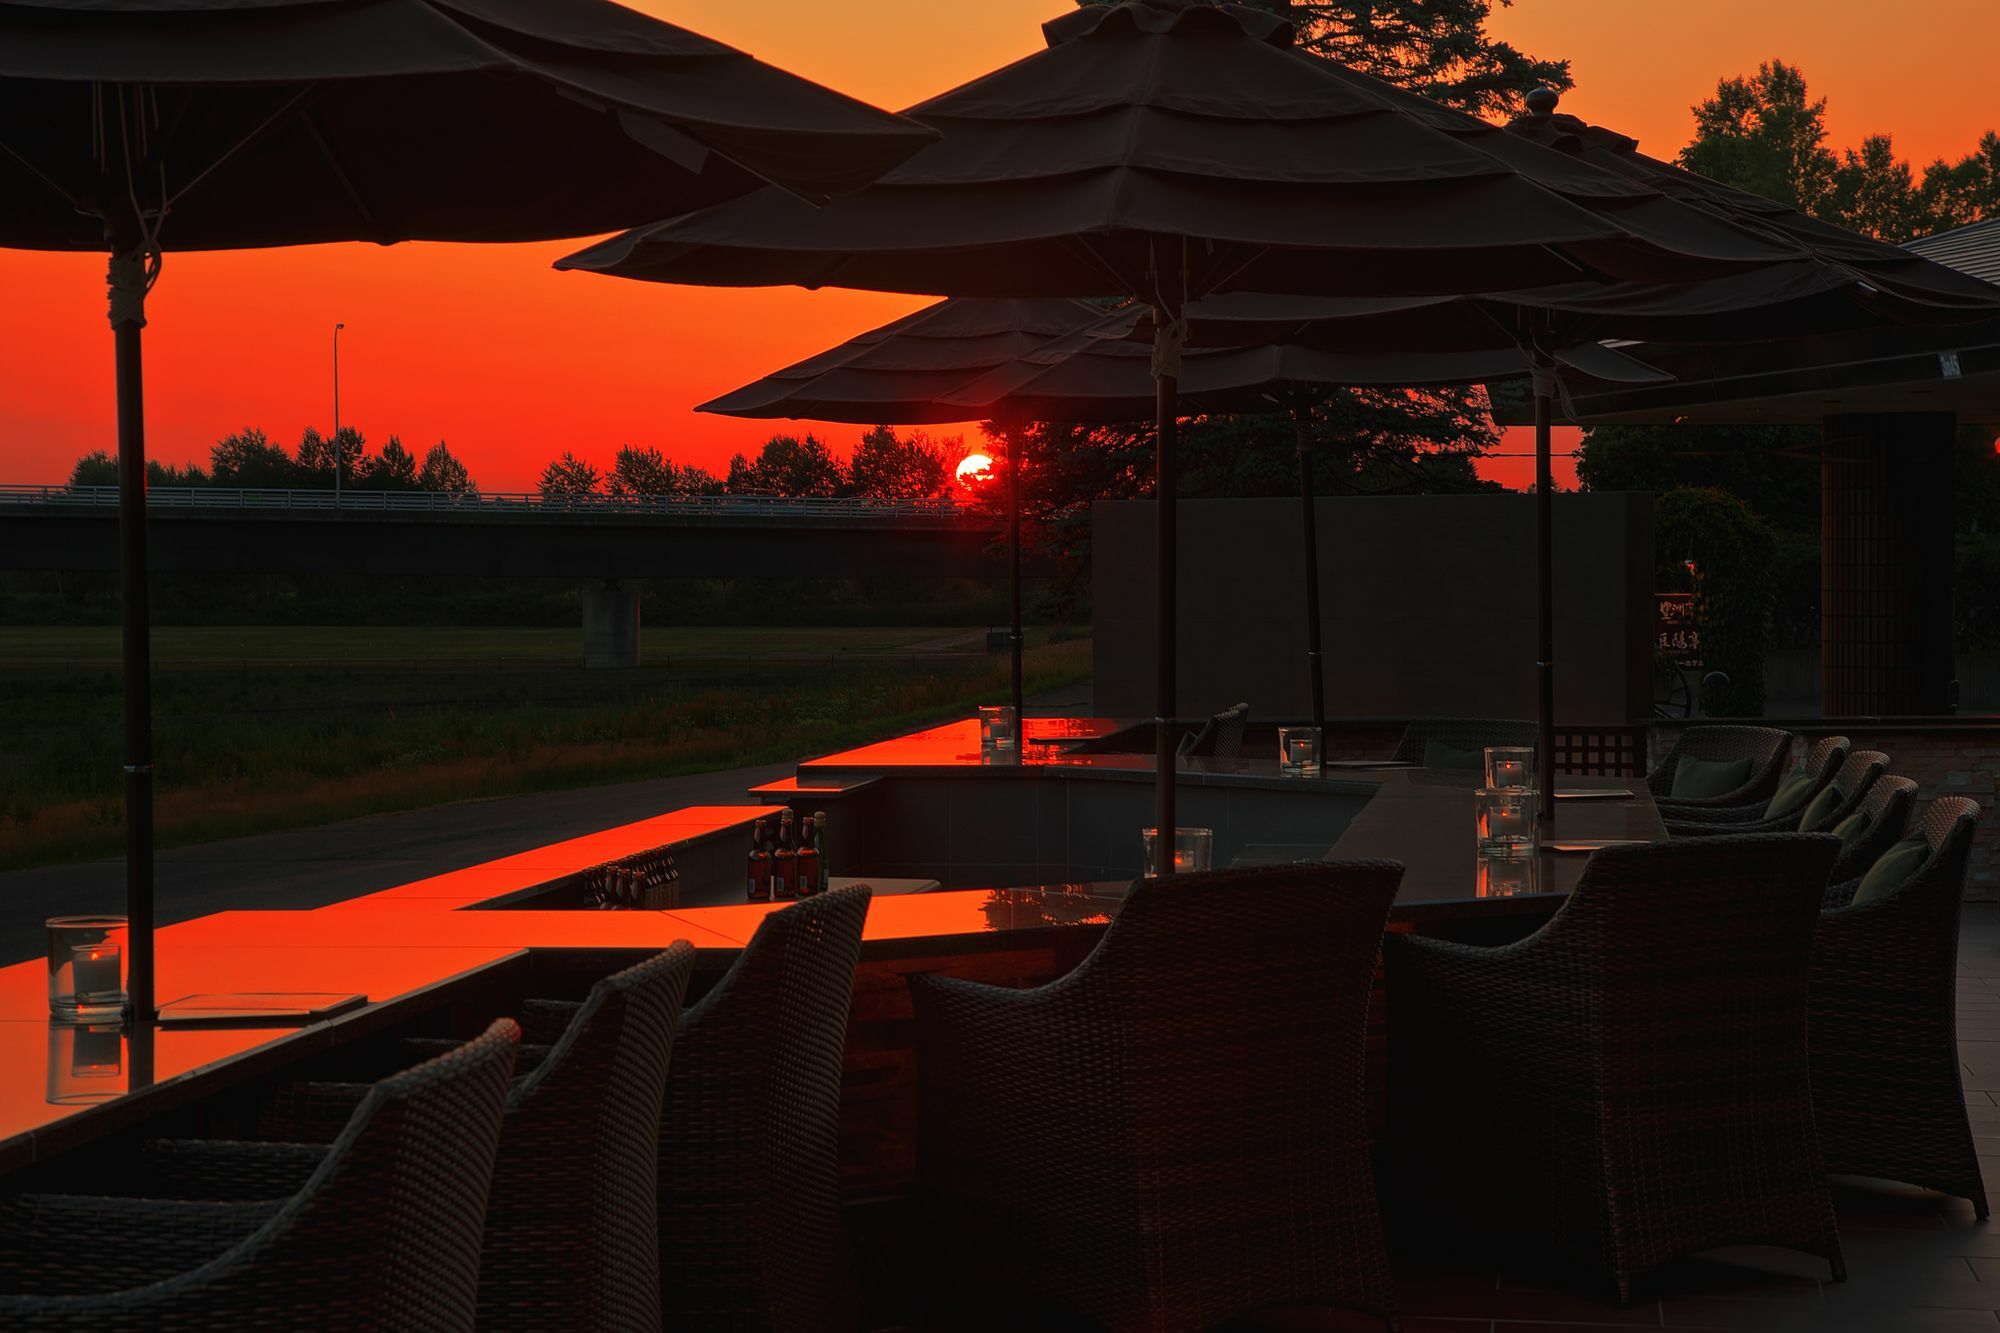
{"x":137,"y":126}
{"x":1167,"y":149}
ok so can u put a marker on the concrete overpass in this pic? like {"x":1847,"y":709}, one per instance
{"x":598,"y":539}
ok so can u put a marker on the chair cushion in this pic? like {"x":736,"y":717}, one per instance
{"x":1701,"y":778}
{"x":1892,"y":869}
{"x":1850,"y":829}
{"x":1823,"y":805}
{"x":1791,"y":794}
{"x":1439,"y":754}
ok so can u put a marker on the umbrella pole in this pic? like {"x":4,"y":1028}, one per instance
{"x":1166,"y":607}
{"x":128,"y":319}
{"x":1013,"y":432}
{"x":1309,"y":518}
{"x":1545,"y":634}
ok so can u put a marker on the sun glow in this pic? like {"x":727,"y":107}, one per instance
{"x":975,"y":470}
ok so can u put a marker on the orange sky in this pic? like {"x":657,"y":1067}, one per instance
{"x":488,"y":348}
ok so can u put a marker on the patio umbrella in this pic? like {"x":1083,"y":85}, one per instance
{"x":1849,"y":283}
{"x":139,"y":126}
{"x":1242,"y":358}
{"x":896,"y":375}
{"x":1167,"y":149}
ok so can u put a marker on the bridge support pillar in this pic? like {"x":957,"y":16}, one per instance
{"x":610,"y":626}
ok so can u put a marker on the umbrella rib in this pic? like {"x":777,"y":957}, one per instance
{"x":339,"y":172}
{"x":257,"y":132}
{"x":41,"y":176}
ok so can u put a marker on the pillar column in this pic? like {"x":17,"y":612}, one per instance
{"x":1886,"y":521}
{"x":610,"y":626}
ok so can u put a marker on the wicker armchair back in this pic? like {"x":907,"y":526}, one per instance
{"x":1885,"y":1066}
{"x":1889,"y":804}
{"x":385,"y":1236}
{"x":572,"y":1228}
{"x":750,"y":1224}
{"x":1178,"y":1124}
{"x":1766,"y":748}
{"x":1641,"y":1062}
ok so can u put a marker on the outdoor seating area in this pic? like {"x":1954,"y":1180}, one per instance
{"x":1231,"y":1098}
{"x":1407,"y":911}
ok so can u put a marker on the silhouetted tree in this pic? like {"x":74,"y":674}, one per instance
{"x":909,"y":467}
{"x":248,"y":459}
{"x":395,"y":469}
{"x":646,"y":471}
{"x":569,"y":475}
{"x":1957,"y":194}
{"x":1771,"y":467}
{"x":96,"y":468}
{"x":787,"y":465}
{"x":442,"y":471}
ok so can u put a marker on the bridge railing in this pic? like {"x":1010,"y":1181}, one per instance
{"x":508,"y":504}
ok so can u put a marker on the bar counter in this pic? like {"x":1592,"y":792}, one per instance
{"x":937,"y":807}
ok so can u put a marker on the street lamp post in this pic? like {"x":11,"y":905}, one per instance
{"x":338,"y":448}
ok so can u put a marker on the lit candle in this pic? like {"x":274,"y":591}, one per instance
{"x":96,"y":971}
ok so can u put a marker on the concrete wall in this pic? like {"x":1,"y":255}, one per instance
{"x":1427,"y":604}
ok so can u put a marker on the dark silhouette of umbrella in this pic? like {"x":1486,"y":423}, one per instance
{"x":1166,"y":150}
{"x":1053,"y":359}
{"x":139,"y":126}
{"x":898,"y":374}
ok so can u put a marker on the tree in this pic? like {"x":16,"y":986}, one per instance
{"x":788,"y":465}
{"x":1732,"y":552}
{"x":96,"y":468}
{"x":1439,"y":48}
{"x":646,"y":471}
{"x":891,"y":468}
{"x":568,"y":475}
{"x":1767,"y":135}
{"x":394,"y":470}
{"x":315,"y":456}
{"x":1771,"y":467}
{"x":444,"y":473}
{"x":248,"y":459}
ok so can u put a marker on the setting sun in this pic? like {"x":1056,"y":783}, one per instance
{"x":975,"y":470}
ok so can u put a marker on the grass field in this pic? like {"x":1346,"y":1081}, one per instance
{"x":298,"y":738}
{"x":282,"y":643}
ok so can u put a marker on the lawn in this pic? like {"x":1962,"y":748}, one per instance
{"x":335,"y":643}
{"x":293,"y":739}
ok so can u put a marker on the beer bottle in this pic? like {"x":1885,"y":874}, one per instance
{"x":819,"y":846}
{"x":809,"y":858}
{"x":760,"y":863}
{"x":785,"y":861}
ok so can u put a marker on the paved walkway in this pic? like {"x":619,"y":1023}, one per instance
{"x":315,"y":866}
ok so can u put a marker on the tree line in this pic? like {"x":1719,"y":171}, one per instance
{"x":884,"y":465}
{"x":250,"y":460}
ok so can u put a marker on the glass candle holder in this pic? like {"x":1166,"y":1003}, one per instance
{"x":1505,"y":820}
{"x":1298,"y":749}
{"x":998,"y":727}
{"x":86,"y":968}
{"x":1510,"y":767}
{"x":1194,"y":849}
{"x":86,"y":1063}
{"x":1506,"y":876}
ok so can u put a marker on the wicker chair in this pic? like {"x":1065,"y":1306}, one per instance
{"x":750,"y":1210}
{"x":571,"y":1223}
{"x":1765,"y":747}
{"x":1462,"y":733}
{"x":1174,"y":1133}
{"x":1221,"y":737}
{"x":1822,"y":764}
{"x":384,"y":1237}
{"x":1857,"y":776}
{"x":1889,"y":805}
{"x":1637,"y":1067}
{"x":1885,"y":1065}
